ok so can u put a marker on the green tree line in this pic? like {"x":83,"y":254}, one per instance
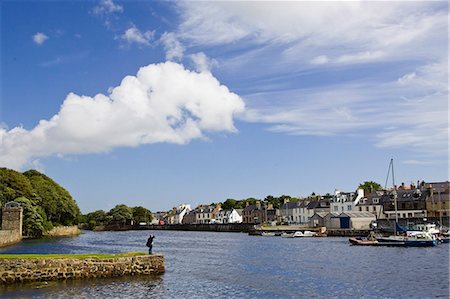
{"x":45,"y":203}
{"x":120,"y":215}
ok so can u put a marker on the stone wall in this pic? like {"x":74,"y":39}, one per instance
{"x":46,"y":269}
{"x":62,"y":231}
{"x":11,"y":230}
{"x":9,"y":237}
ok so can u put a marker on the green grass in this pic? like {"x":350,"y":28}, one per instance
{"x":69,"y":256}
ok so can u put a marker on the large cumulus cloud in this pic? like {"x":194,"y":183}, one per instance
{"x":162,"y":103}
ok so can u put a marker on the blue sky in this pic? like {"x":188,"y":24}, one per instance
{"x":158,"y":103}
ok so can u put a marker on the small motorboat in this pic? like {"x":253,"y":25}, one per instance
{"x":267,"y":234}
{"x":363,"y":242}
{"x":308,"y":233}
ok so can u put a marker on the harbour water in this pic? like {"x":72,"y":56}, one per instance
{"x":235,"y":265}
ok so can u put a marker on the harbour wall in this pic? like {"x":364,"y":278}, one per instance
{"x":19,"y":270}
{"x":11,"y":229}
{"x":63,"y":231}
{"x":231,"y":227}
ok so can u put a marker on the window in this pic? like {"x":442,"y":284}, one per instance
{"x":376,"y":200}
{"x":349,"y":207}
{"x":367,"y":209}
{"x":335,"y":208}
{"x":374,"y":208}
{"x":360,"y":209}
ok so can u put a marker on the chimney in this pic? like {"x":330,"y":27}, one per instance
{"x":286,"y":200}
{"x":403,"y":186}
{"x":258,"y":205}
{"x":270,"y":206}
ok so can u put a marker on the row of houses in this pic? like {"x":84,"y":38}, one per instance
{"x":358,"y":210}
{"x":341,"y":210}
{"x":202,"y":214}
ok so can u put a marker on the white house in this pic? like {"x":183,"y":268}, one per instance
{"x":345,"y":201}
{"x":228,"y":216}
{"x":181,"y":211}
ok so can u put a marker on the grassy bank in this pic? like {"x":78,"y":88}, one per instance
{"x":70,"y":256}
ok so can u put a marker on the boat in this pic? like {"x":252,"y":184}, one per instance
{"x":296,"y":234}
{"x":308,"y":233}
{"x":409,"y":238}
{"x":363,"y":242}
{"x":267,"y":234}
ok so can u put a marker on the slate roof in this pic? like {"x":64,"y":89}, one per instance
{"x":321,"y":214}
{"x":290,"y":205}
{"x":442,"y":187}
{"x":357,"y":215}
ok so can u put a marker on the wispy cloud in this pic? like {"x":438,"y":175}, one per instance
{"x":374,"y":69}
{"x":39,"y":38}
{"x":162,"y":103}
{"x":174,"y":48}
{"x":202,"y":62}
{"x":135,"y":36}
{"x":106,"y":7}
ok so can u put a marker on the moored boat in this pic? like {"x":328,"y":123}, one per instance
{"x":411,"y":239}
{"x":268,"y":234}
{"x":362,"y":242}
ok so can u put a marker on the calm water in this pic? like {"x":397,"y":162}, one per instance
{"x":234,"y":265}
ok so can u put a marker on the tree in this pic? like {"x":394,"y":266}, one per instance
{"x":120,"y":214}
{"x":35,"y":222}
{"x":369,"y":186}
{"x":56,"y":201}
{"x":13,"y":184}
{"x":98,"y":217}
{"x":141,"y":214}
{"x":230,"y":204}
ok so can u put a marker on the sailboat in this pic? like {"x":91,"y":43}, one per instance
{"x":409,"y":238}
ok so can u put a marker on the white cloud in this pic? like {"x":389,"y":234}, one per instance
{"x":134,"y":35}
{"x":174,"y":49}
{"x":306,"y":74}
{"x":202,"y":62}
{"x":349,"y":31}
{"x":162,"y":103}
{"x":39,"y":38}
{"x":106,"y":7}
{"x":322,"y":59}
{"x":413,"y":114}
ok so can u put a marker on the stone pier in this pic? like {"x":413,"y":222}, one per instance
{"x":19,"y":270}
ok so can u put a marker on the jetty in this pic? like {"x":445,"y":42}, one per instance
{"x":21,"y":268}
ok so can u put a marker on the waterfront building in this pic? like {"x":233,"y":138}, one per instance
{"x":345,"y":201}
{"x":258,"y":213}
{"x":372,"y":203}
{"x":438,"y":199}
{"x":181,"y":211}
{"x":287,"y":211}
{"x":189,"y":217}
{"x":356,"y":220}
{"x":318,"y":219}
{"x":410,"y":204}
{"x":228,"y":216}
{"x":205,"y":214}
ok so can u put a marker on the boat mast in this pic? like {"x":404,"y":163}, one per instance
{"x":394,"y":192}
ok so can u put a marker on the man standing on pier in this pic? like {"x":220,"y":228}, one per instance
{"x":150,"y":243}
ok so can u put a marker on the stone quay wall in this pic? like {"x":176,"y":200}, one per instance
{"x":19,"y":270}
{"x":62,"y":231}
{"x":9,"y":237}
{"x":11,"y":229}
